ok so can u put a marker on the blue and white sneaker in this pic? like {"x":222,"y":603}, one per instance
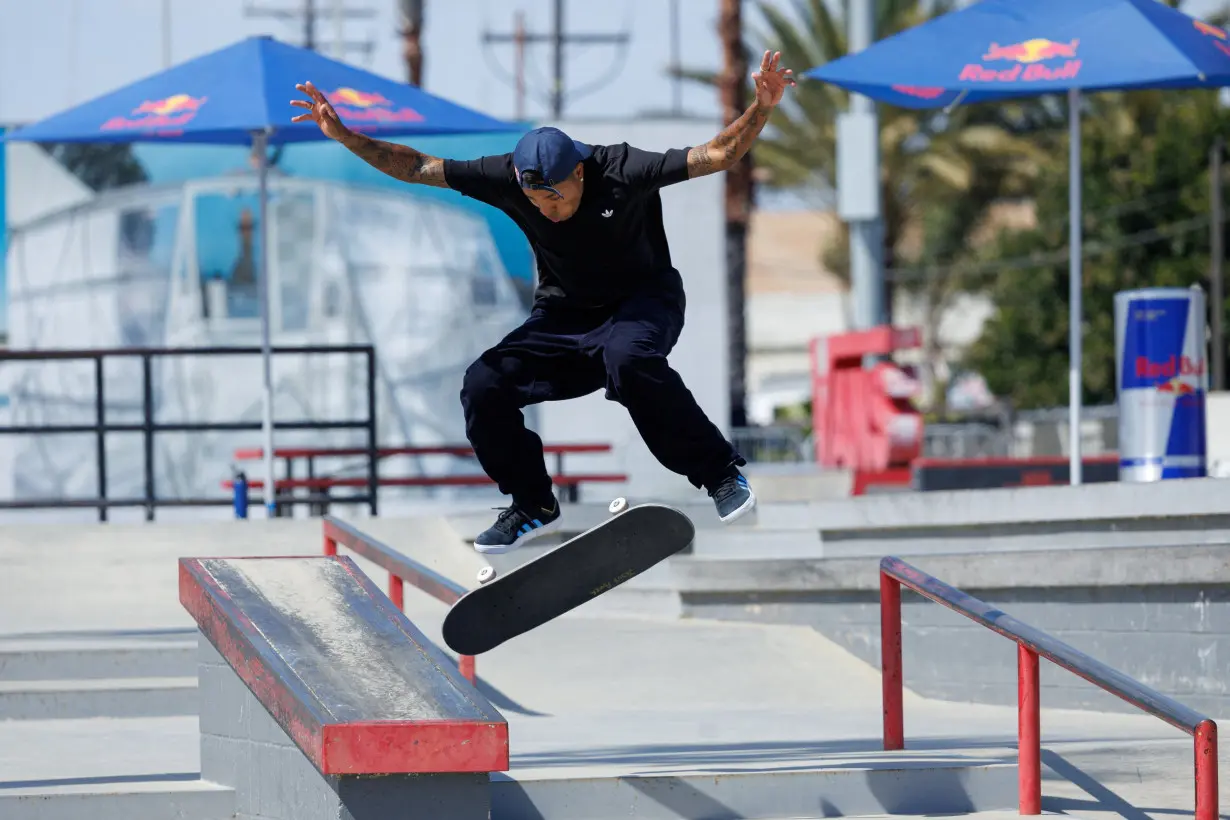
{"x":515,"y":526}
{"x":733,"y":497}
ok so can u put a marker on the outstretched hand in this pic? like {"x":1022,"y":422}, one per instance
{"x":770,"y":80}
{"x":320,"y":111}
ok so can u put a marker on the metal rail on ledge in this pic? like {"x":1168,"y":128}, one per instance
{"x":1031,"y":644}
{"x":402,"y":570}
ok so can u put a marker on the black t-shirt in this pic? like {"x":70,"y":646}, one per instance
{"x":613,"y":245}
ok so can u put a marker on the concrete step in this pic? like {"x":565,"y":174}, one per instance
{"x":852,"y":785}
{"x":737,"y":542}
{"x":104,"y":697}
{"x":119,"y":799}
{"x":35,"y":659}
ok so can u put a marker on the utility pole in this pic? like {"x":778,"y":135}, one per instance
{"x":309,"y":16}
{"x":739,"y":194}
{"x":858,"y":188}
{"x":166,"y":34}
{"x":519,"y":62}
{"x":412,"y":39}
{"x":1217,"y":296}
{"x":558,"y":38}
{"x":676,"y":62}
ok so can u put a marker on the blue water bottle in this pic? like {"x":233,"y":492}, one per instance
{"x":240,"y":497}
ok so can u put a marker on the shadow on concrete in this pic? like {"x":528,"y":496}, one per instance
{"x":51,"y":783}
{"x":681,"y":799}
{"x":1103,"y":798}
{"x":503,"y":702}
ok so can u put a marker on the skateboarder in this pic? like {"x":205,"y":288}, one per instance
{"x":609,"y":305}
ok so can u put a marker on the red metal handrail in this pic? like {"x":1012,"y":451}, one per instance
{"x":402,"y":570}
{"x":1031,"y":644}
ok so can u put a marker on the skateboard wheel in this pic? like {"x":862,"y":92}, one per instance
{"x":618,"y":506}
{"x":486,"y":574}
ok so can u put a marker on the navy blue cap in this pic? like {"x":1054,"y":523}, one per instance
{"x":551,"y":153}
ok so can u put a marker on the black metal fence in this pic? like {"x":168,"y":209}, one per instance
{"x":149,"y":428}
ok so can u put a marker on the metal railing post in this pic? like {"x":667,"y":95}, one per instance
{"x":465,"y":665}
{"x":890,"y":662}
{"x":372,"y":454}
{"x":397,"y":591}
{"x":1029,"y":733}
{"x":1206,"y":771}
{"x":147,"y":424}
{"x":100,"y":416}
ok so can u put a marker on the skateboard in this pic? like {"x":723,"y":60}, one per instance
{"x":578,"y":570}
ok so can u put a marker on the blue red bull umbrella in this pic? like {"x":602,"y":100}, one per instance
{"x":240,"y":95}
{"x":226,"y":96}
{"x":999,"y":49}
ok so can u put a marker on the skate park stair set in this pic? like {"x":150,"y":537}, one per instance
{"x":319,"y":695}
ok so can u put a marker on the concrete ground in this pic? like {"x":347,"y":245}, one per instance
{"x":587,"y":695}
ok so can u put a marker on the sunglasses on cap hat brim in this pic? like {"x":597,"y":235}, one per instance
{"x":537,"y":186}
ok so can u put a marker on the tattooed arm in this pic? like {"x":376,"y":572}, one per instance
{"x":727,"y":148}
{"x":398,"y":161}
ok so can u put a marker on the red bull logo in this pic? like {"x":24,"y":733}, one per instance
{"x":1210,"y":30}
{"x":1218,"y":35}
{"x":368,"y":106}
{"x":166,"y":114}
{"x":1035,"y":61}
{"x":1179,"y":374}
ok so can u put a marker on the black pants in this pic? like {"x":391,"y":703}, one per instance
{"x":557,"y":355}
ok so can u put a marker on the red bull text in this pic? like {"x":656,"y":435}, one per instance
{"x":353,"y":105}
{"x":1160,"y":363}
{"x":167,"y":114}
{"x":1036,"y":60}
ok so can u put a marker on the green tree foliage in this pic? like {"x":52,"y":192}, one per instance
{"x":1145,"y":216}
{"x":100,"y":166}
{"x":924,"y":156}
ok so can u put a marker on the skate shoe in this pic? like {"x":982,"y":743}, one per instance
{"x":733,"y":497}
{"x":515,"y":526}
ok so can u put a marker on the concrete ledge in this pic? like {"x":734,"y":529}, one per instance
{"x":1088,"y":502}
{"x":147,"y":800}
{"x":120,"y":698}
{"x":366,"y":692}
{"x":1111,"y":567}
{"x":242,"y":746}
{"x":1160,"y":616}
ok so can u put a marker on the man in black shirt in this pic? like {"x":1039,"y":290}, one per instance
{"x":609,"y":306}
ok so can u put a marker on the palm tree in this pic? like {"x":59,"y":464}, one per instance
{"x":925,"y":157}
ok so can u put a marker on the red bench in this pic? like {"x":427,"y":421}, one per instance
{"x":568,"y":482}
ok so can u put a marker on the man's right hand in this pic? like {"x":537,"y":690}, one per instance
{"x":320,"y":111}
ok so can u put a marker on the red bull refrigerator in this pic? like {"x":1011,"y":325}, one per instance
{"x":1161,"y":373}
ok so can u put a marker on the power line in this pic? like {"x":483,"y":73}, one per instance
{"x":1090,"y":248}
{"x":558,"y":38}
{"x":309,"y":15}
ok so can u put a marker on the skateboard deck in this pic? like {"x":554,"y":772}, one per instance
{"x":572,"y":573}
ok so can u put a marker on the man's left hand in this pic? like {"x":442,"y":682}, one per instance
{"x":771,"y":81}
